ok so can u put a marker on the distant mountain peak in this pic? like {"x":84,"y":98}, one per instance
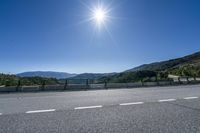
{"x":47,"y":74}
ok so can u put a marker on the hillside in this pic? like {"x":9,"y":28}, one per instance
{"x":193,"y":59}
{"x":46,"y":74}
{"x":185,"y":66}
{"x":91,"y":75}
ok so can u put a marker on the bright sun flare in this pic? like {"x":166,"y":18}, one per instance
{"x":99,"y":15}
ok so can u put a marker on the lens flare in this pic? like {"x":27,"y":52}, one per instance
{"x":99,"y":15}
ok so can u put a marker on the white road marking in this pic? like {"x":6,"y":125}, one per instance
{"x":134,"y":103}
{"x":0,"y":113}
{"x":88,"y":107}
{"x":187,"y":98}
{"x":40,"y":111}
{"x":166,"y":100}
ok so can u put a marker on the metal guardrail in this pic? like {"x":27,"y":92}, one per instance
{"x":87,"y":86}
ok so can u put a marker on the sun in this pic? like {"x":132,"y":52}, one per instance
{"x":99,"y":15}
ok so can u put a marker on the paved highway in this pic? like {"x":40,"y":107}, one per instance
{"x":154,"y":109}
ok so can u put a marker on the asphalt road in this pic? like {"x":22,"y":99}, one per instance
{"x":155,"y":109}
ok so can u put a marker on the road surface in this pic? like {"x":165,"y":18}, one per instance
{"x":152,"y":110}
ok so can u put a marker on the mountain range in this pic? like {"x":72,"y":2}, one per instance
{"x":47,"y":74}
{"x":177,"y":66}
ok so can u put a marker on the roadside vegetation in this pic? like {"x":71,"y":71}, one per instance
{"x":188,"y":70}
{"x":13,"y":80}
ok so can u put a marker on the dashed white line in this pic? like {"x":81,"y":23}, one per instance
{"x":100,"y":106}
{"x":134,"y":103}
{"x":88,"y":107}
{"x":187,"y":98}
{"x":166,"y":100}
{"x":40,"y":111}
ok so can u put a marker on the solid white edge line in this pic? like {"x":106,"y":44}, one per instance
{"x":166,"y":100}
{"x":40,"y":111}
{"x":88,"y":107}
{"x":134,"y":103}
{"x":187,"y":98}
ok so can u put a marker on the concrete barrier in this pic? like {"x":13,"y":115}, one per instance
{"x":116,"y":85}
{"x":29,"y":88}
{"x":164,"y":83}
{"x":8,"y":89}
{"x":53,"y":87}
{"x":150,"y":83}
{"x":190,"y":79}
{"x":97,"y":86}
{"x":137,"y":84}
{"x":77,"y":87}
{"x":198,"y":79}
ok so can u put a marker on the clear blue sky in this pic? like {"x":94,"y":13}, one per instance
{"x":51,"y":35}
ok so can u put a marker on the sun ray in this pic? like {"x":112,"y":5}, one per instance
{"x":85,"y":5}
{"x":109,"y":33}
{"x":100,"y":14}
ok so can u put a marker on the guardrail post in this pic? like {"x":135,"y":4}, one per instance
{"x":105,"y":84}
{"x":142,"y":82}
{"x":187,"y":79}
{"x":195,"y":78}
{"x":87,"y":84}
{"x":18,"y":85}
{"x":43,"y":85}
{"x":170,"y":82}
{"x":179,"y":81}
{"x":157,"y":81}
{"x":66,"y":84}
{"x":7,"y":83}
